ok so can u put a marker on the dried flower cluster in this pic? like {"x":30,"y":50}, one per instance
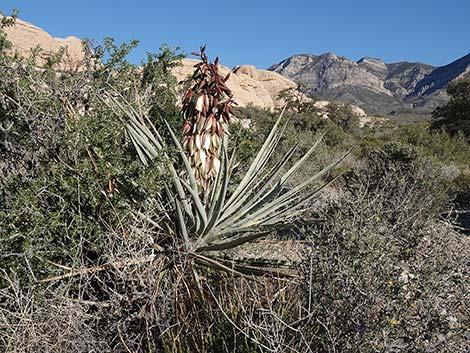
{"x":206,"y":109}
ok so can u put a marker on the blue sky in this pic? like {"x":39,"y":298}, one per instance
{"x":263,"y":32}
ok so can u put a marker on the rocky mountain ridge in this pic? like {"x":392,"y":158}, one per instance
{"x":373,"y":85}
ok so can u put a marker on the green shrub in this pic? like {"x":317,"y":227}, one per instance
{"x":343,"y":116}
{"x":69,"y":173}
{"x":438,"y":145}
{"x":454,"y":117}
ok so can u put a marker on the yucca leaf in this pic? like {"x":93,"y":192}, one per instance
{"x":204,"y":260}
{"x":145,"y":132}
{"x":302,"y":160}
{"x":221,"y":190}
{"x":148,"y":144}
{"x":250,"y":207}
{"x":257,"y":191}
{"x":232,"y":242}
{"x":140,"y":150}
{"x":258,"y":196}
{"x":179,"y":148}
{"x":182,"y":224}
{"x":300,"y":207}
{"x":218,"y":184}
{"x":143,"y":142}
{"x":288,"y":197}
{"x":268,"y":147}
{"x":201,"y":211}
{"x":262,"y":162}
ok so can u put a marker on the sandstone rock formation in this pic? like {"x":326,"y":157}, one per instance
{"x":26,"y":37}
{"x":261,"y":88}
{"x":249,"y":85}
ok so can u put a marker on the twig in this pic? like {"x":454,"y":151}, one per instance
{"x":59,"y":265}
{"x":92,"y":159}
{"x":101,"y":268}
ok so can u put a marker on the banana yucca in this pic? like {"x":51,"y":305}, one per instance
{"x":206,"y":109}
{"x":223,"y":216}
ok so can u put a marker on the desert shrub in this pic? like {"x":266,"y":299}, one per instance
{"x":301,"y":128}
{"x":162,"y":86}
{"x":438,"y":145}
{"x":381,"y":273}
{"x":30,"y":322}
{"x":459,"y":214}
{"x":296,"y":101}
{"x":68,"y":171}
{"x":306,"y":116}
{"x":454,"y":117}
{"x":145,"y":302}
{"x":343,"y":116}
{"x":461,"y":188}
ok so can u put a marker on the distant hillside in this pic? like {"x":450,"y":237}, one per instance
{"x":371,"y":84}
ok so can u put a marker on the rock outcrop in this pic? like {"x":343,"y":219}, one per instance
{"x":328,"y":72}
{"x":377,"y":87}
{"x":26,"y":37}
{"x":249,"y":85}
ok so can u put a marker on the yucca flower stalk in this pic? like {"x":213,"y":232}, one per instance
{"x":206,"y":109}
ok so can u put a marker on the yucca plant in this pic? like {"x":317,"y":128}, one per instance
{"x":227,"y":216}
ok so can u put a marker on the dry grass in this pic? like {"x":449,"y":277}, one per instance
{"x":156,"y":305}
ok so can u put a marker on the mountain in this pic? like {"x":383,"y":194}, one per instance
{"x":371,"y":84}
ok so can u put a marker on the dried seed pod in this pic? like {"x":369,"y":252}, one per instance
{"x":200,"y":124}
{"x":197,"y":139}
{"x":186,"y":127}
{"x":199,"y":103}
{"x":207,"y":141}
{"x":208,"y":123}
{"x":216,"y":165}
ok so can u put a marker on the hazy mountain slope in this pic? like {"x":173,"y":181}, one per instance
{"x":440,"y":76}
{"x":377,"y":87}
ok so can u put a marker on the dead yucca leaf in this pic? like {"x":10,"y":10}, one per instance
{"x":206,"y":109}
